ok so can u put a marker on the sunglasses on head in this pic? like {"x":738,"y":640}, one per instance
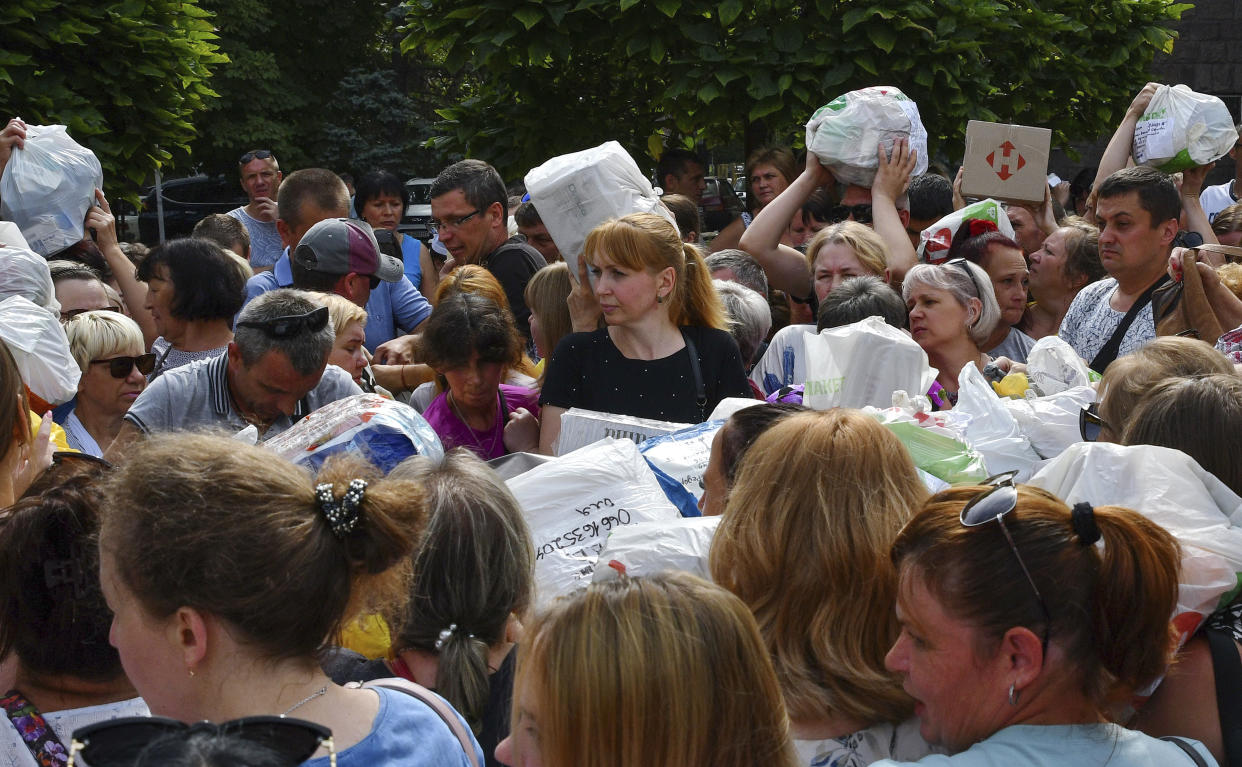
{"x":961,"y":263}
{"x":292,"y":325}
{"x":120,"y":367}
{"x":860,"y":213}
{"x":1089,"y":422}
{"x":120,"y":742}
{"x":994,"y":504}
{"x":257,"y":154}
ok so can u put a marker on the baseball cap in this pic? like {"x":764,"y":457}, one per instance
{"x":341,"y":246}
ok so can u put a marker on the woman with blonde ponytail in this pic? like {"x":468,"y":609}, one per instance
{"x":664,"y":352}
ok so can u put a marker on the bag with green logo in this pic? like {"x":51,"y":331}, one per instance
{"x":1181,"y":129}
{"x":846,"y":133}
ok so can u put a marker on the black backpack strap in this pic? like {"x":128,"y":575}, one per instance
{"x":1227,"y":669}
{"x":1183,"y":745}
{"x":700,"y":392}
{"x":1107,"y":353}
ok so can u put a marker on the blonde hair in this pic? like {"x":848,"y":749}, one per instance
{"x":649,"y":242}
{"x":867,"y":246}
{"x":662,"y":670}
{"x":546,"y":294}
{"x":342,"y":311}
{"x":101,"y":334}
{"x":472,"y":278}
{"x":804,"y":542}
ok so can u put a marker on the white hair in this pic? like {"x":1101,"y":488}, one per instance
{"x":964,"y":281}
{"x":102,"y":334}
{"x":748,"y":314}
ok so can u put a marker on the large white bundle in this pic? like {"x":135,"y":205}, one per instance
{"x":40,"y":348}
{"x":846,"y":133}
{"x":863,"y":364}
{"x":47,"y":187}
{"x":574,"y":193}
{"x":656,"y":547}
{"x":1181,"y":129}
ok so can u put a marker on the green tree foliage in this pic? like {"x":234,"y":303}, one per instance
{"x":562,"y":75}
{"x":126,"y":76}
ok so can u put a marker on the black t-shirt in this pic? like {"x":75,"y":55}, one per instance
{"x":587,"y":370}
{"x":513,"y":264}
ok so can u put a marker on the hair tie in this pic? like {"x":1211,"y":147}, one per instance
{"x":447,"y":634}
{"x":1083,"y":519}
{"x":342,"y":515}
{"x":980,"y":226}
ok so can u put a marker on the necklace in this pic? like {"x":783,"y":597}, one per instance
{"x":305,"y":700}
{"x":484,"y":452}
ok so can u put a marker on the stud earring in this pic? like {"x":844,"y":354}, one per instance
{"x":659,"y":298}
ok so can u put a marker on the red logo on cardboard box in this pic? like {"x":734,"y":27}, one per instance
{"x":1008,"y":159}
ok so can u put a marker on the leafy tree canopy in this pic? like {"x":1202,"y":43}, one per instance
{"x":561,"y":75}
{"x":126,"y":76}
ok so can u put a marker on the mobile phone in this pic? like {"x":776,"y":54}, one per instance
{"x":1054,"y":180}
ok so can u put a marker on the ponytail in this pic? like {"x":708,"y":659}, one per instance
{"x":698,"y":303}
{"x":462,"y":676}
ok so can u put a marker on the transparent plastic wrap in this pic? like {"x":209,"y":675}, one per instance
{"x":383,"y":431}
{"x":574,"y":193}
{"x":846,"y":133}
{"x":1053,"y":366}
{"x":40,"y":348}
{"x":992,"y":430}
{"x":47,"y":187}
{"x":25,"y":273}
{"x":1181,"y":129}
{"x":573,"y":502}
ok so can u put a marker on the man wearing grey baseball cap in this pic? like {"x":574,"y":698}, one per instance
{"x":341,"y":255}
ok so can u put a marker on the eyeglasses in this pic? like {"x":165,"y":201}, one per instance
{"x":860,"y":213}
{"x":257,"y":154}
{"x":119,"y":742}
{"x":120,"y":367}
{"x":435,"y":225}
{"x":1089,"y":422}
{"x":994,"y":504}
{"x":961,"y":262}
{"x":291,"y":325}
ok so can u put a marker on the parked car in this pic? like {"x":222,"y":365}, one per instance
{"x":416,"y":221}
{"x":719,"y":205}
{"x":739,"y":186}
{"x":186,"y":202}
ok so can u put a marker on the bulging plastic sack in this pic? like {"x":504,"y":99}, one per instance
{"x":1182,"y":129}
{"x":383,"y":431}
{"x":935,"y":240}
{"x":846,"y":133}
{"x":573,"y":502}
{"x":1051,"y":422}
{"x":863,"y":364}
{"x":679,"y":461}
{"x":47,"y":187}
{"x":992,"y":429}
{"x":1053,"y":366}
{"x":649,"y":548}
{"x":40,"y":348}
{"x":25,"y":273}
{"x":574,"y":193}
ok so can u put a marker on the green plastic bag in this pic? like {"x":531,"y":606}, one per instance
{"x":943,"y":457}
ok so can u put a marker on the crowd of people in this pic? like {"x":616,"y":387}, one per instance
{"x":172,"y":595}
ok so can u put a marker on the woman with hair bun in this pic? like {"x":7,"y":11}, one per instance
{"x":1020,"y":632}
{"x":228,"y":570}
{"x":665,"y":353}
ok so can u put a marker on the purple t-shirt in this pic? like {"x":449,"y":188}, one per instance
{"x":485,"y":444}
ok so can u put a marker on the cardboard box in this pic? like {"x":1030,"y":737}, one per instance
{"x":1005,"y":162}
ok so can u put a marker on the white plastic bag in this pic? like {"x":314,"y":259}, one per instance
{"x":1051,"y":423}
{"x":384,"y":431}
{"x":573,"y":502}
{"x":40,"y":348}
{"x":863,"y":364}
{"x":574,"y":193}
{"x":846,"y":133}
{"x":1052,"y":366}
{"x":25,"y":273}
{"x":679,"y":460}
{"x":47,"y":187}
{"x":992,"y":430}
{"x":1171,"y":489}
{"x":657,"y":547}
{"x":935,"y":240}
{"x":1182,"y":129}
{"x":581,"y":427}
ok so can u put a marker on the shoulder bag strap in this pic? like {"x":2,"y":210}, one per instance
{"x":34,"y":730}
{"x":700,"y":393}
{"x":1190,"y":752}
{"x":1108,"y":352}
{"x":1227,"y":669}
{"x":438,"y":705}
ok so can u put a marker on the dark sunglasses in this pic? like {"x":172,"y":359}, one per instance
{"x":120,"y":367}
{"x":1089,"y":422}
{"x":292,"y":325}
{"x":258,"y":154}
{"x":119,"y":742}
{"x":994,"y":504}
{"x":962,"y":264}
{"x":860,"y":213}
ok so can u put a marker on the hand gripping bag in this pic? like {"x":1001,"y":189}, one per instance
{"x":846,"y":133}
{"x":48,"y":186}
{"x":574,"y":193}
{"x":40,"y":348}
{"x":863,"y":364}
{"x":1182,"y":129}
{"x":573,"y":502}
{"x":935,"y":240}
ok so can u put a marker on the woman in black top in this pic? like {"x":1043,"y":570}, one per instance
{"x":657,"y":299}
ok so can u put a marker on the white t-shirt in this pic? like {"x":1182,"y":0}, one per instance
{"x":15,"y":753}
{"x":1214,"y":199}
{"x":1090,"y":321}
{"x":784,"y":363}
{"x":880,"y":741}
